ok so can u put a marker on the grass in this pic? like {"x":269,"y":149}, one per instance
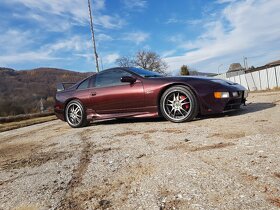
{"x":24,"y":123}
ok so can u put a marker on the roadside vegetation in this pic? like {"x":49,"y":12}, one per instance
{"x":26,"y":122}
{"x":23,"y":92}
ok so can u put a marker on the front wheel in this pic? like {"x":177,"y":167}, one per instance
{"x":179,"y":104}
{"x":75,"y":114}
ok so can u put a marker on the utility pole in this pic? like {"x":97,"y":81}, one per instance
{"x":245,"y":63}
{"x":219,"y":68}
{"x":93,"y":39}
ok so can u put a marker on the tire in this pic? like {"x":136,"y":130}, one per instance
{"x":179,"y":104}
{"x":75,"y":114}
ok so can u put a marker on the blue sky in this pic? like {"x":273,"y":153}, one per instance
{"x":199,"y":33}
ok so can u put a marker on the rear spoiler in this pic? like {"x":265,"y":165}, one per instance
{"x":64,"y":85}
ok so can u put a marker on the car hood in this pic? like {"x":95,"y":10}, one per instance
{"x":199,"y":78}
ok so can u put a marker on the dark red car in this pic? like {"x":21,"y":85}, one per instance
{"x":133,"y":92}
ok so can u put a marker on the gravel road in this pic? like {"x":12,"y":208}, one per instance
{"x":227,"y":161}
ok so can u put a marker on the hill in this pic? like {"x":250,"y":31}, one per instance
{"x":21,"y":91}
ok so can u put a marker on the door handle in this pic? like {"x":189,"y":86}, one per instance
{"x":93,"y":93}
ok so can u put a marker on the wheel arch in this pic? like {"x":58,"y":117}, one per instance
{"x":68,"y":101}
{"x":172,"y":85}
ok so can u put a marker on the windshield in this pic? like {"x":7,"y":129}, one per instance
{"x":145,"y":73}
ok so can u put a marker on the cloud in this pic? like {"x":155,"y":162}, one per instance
{"x":98,"y":5}
{"x":136,"y":37}
{"x":110,"y":22}
{"x":63,"y":14}
{"x":103,"y":37}
{"x":245,"y":28}
{"x":53,"y":24}
{"x":25,"y":57}
{"x":73,"y":44}
{"x":110,"y":58}
{"x":168,"y":53}
{"x":21,"y":47}
{"x":75,"y":9}
{"x":174,"y":20}
{"x":12,"y":40}
{"x":225,"y":1}
{"x":135,"y":5}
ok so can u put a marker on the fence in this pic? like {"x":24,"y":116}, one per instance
{"x":264,"y":79}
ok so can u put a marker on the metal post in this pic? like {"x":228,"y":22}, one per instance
{"x":219,"y":68}
{"x":276,"y":76}
{"x":253,"y":80}
{"x":267,"y":78}
{"x":260,"y":79}
{"x":93,"y":39}
{"x":247,"y":82}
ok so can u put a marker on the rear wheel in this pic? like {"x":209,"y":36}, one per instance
{"x":179,"y":104}
{"x":75,"y":114}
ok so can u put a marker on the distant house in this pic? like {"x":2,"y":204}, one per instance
{"x":235,"y":69}
{"x":268,"y":65}
{"x":274,"y":63}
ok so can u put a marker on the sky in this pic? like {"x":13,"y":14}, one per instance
{"x":206,"y":35}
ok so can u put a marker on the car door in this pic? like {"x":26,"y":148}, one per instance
{"x":83,"y":92}
{"x":111,"y":96}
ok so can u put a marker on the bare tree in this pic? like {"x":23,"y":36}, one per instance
{"x":124,"y":62}
{"x":150,"y":60}
{"x":146,"y":60}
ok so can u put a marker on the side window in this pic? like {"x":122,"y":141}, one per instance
{"x":84,"y":84}
{"x":110,"y":78}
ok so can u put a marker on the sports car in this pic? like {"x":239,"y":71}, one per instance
{"x":134,"y":92}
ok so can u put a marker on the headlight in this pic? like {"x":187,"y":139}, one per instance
{"x":221,"y":94}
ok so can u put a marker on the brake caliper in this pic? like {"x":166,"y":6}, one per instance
{"x":186,"y":105}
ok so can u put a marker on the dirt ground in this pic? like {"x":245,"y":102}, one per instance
{"x":227,"y":161}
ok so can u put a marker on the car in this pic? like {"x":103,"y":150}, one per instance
{"x":128,"y":92}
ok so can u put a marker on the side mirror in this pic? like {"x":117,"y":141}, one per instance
{"x":128,"y":79}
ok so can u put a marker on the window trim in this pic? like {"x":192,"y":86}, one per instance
{"x":93,"y":84}
{"x":87,"y":79}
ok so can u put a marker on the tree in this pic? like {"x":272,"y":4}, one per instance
{"x":144,"y":59}
{"x":185,"y":70}
{"x":124,"y":62}
{"x":150,"y":60}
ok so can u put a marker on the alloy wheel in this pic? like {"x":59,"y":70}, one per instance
{"x":177,"y":105}
{"x":74,"y":114}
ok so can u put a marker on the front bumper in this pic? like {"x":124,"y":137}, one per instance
{"x":235,"y":102}
{"x":212,"y":105}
